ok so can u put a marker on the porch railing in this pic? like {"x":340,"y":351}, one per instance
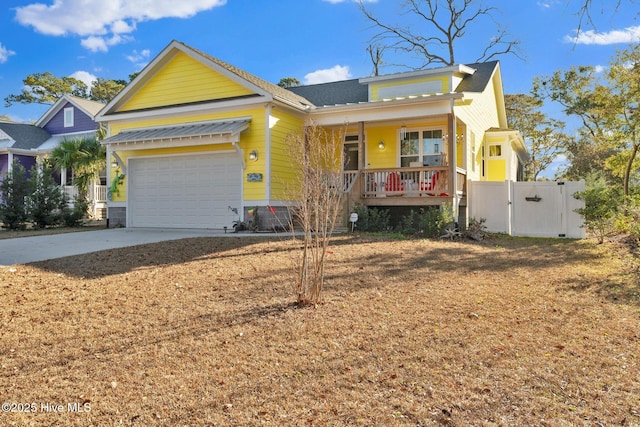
{"x":349,"y":178}
{"x":71,"y":192}
{"x":411,"y":182}
{"x":97,"y":193}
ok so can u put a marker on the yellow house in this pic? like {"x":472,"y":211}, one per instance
{"x":195,"y":142}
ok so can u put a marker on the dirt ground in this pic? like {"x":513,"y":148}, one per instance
{"x":205,"y":332}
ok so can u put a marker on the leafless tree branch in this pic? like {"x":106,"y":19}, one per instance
{"x":447,"y":22}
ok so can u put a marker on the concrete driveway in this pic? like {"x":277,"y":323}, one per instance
{"x":24,"y":250}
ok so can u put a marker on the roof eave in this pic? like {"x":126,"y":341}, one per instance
{"x":370,"y":105}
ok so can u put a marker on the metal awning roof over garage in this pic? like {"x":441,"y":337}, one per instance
{"x":217,"y":132}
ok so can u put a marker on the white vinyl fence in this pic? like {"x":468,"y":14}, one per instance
{"x":535,"y":209}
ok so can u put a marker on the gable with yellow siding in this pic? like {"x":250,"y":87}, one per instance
{"x":184,"y":80}
{"x":413,"y":87}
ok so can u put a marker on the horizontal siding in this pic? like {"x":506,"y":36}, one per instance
{"x":389,"y":157}
{"x":184,"y":80}
{"x":253,"y":138}
{"x":81,"y":122}
{"x":496,"y":170}
{"x":283,"y":164}
{"x":479,"y":115}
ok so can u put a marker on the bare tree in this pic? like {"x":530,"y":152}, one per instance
{"x":317,"y":195}
{"x":375,"y":53}
{"x":586,"y":7}
{"x":444,"y":23}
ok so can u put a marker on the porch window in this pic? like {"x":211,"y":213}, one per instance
{"x":422,"y":146}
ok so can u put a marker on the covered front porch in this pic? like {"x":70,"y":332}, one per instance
{"x":406,"y":186}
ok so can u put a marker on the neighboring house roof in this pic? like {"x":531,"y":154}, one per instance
{"x":5,"y":140}
{"x":88,"y":107}
{"x":334,"y":93}
{"x":25,"y":136}
{"x":55,"y":140}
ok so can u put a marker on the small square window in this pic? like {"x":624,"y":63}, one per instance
{"x":68,"y":117}
{"x":495,"y":150}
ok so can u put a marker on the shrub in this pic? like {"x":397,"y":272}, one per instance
{"x":409,"y":223}
{"x":45,"y":203}
{"x":628,"y":220}
{"x":476,"y":229}
{"x":14,"y":191}
{"x":72,"y":217}
{"x":372,"y":219}
{"x":426,"y":222}
{"x":599,"y":211}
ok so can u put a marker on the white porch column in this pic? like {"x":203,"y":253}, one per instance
{"x":453,"y":163}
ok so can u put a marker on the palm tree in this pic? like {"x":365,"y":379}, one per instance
{"x":86,"y":157}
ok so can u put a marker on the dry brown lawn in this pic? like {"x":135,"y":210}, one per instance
{"x":204,"y":332}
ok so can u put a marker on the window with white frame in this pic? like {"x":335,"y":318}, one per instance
{"x":424,"y":146}
{"x":495,"y":150}
{"x":68,"y":117}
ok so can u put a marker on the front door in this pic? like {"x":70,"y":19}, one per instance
{"x":351,"y":153}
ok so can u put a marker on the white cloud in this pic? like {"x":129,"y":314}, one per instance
{"x":104,"y":23}
{"x":336,"y":73}
{"x":139,"y":56}
{"x":140,"y":59}
{"x":5,"y":54}
{"x":547,"y":4}
{"x":85,"y":77}
{"x":599,"y":69}
{"x":626,"y":36}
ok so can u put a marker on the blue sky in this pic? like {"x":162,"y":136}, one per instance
{"x":311,"y":40}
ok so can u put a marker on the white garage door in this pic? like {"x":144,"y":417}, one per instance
{"x":192,"y":191}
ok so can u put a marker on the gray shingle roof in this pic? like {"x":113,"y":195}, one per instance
{"x":26,"y":136}
{"x":353,"y":92}
{"x":480,"y":79}
{"x":334,"y":93}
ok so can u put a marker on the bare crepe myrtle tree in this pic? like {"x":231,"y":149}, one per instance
{"x":317,"y":195}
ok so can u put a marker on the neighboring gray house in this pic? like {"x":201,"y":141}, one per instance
{"x":19,"y":142}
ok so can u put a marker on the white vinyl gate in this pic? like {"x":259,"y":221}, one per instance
{"x":535,"y":209}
